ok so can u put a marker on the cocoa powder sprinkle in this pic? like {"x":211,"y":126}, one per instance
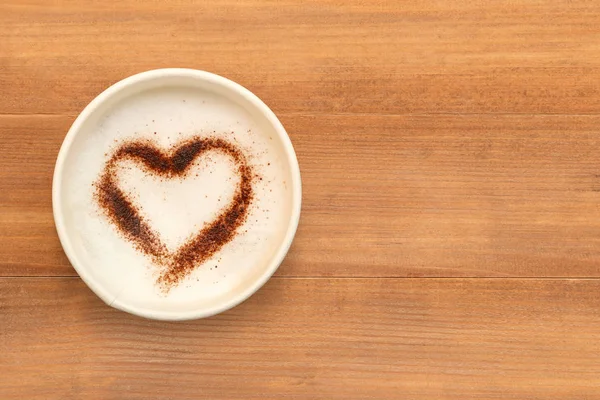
{"x":127,"y":217}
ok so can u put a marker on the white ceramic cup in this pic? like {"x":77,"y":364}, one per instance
{"x":114,"y":274}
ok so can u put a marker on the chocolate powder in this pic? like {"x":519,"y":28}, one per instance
{"x":126,"y":216}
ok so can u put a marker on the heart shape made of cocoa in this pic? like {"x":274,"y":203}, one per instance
{"x":176,"y":163}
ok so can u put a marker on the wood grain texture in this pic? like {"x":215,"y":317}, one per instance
{"x":320,"y":57}
{"x":311,"y":339}
{"x":402,"y":196}
{"x":437,"y":139}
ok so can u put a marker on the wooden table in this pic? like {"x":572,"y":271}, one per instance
{"x":449,"y":246}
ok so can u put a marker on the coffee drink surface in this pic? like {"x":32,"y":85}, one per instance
{"x":178,"y":196}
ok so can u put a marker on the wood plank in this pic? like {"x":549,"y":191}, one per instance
{"x":29,"y":146}
{"x":403,"y":196}
{"x":321,"y":57}
{"x":448,"y":196}
{"x":310,"y":339}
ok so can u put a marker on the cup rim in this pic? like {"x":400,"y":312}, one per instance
{"x":65,"y":240}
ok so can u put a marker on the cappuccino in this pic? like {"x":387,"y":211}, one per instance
{"x":176,"y":196}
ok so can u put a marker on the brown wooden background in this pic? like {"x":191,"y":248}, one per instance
{"x":449,"y":245}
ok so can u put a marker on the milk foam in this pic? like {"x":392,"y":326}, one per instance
{"x":177,"y":208}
